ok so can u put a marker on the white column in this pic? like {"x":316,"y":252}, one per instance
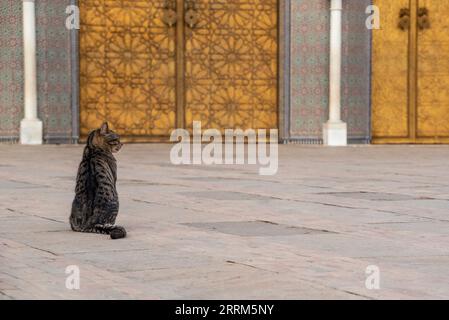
{"x":30,"y":126}
{"x":335,"y":130}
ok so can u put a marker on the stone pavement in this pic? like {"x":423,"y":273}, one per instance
{"x":198,"y":232}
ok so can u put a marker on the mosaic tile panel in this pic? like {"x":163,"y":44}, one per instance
{"x":53,"y":63}
{"x":11,"y":69}
{"x":310,"y":68}
{"x":53,"y":66}
{"x":356,"y":68}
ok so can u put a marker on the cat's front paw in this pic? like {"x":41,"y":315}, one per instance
{"x":118,"y":232}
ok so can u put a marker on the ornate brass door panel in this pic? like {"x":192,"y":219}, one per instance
{"x":231,"y":64}
{"x":151,"y":66}
{"x":390,"y":113}
{"x":433,"y":71}
{"x":411,"y":72}
{"x":127,"y":68}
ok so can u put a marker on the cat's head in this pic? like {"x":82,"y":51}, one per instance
{"x":105,"y":139}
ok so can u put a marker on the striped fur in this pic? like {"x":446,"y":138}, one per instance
{"x":96,"y":203}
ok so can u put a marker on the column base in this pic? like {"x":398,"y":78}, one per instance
{"x":31,"y":131}
{"x":335,"y":134}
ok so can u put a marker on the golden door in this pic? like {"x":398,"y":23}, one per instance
{"x":149,"y":67}
{"x":410,"y":79}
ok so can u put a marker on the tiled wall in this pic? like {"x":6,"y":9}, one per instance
{"x":53,"y":64}
{"x":11,"y":69}
{"x":356,"y":69}
{"x":310,"y":68}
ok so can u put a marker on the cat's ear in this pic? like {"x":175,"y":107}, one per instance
{"x":104,"y":128}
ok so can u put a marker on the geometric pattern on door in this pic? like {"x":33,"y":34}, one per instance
{"x":433,"y":73}
{"x":231,"y":65}
{"x":410,"y":72}
{"x":127,"y":67}
{"x":147,"y":77}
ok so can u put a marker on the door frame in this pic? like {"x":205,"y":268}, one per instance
{"x":283,"y":81}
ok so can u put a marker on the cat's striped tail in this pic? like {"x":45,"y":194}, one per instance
{"x":116,"y":232}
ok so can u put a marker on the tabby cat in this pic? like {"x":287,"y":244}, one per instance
{"x":96,"y":204}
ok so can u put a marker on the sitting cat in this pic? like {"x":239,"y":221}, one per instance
{"x":96,"y":204}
